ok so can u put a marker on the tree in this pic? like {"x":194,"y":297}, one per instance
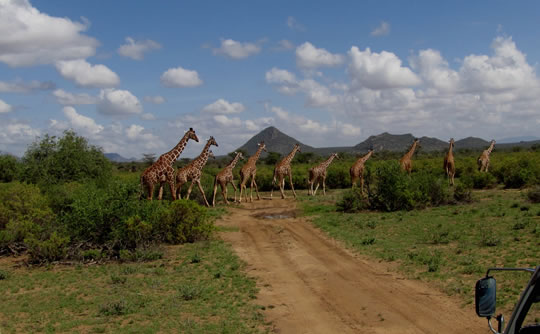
{"x":272,"y":158}
{"x":9,"y":168}
{"x":149,"y":158}
{"x":55,"y":160}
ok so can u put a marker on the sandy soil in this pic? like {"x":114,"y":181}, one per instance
{"x":311,"y":284}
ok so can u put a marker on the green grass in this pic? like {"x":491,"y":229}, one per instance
{"x":451,"y":246}
{"x":194,"y":288}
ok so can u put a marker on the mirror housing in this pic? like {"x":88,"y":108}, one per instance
{"x":485,"y":297}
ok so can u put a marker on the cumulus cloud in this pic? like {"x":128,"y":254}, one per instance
{"x":382,"y":30}
{"x":223,"y":120}
{"x":4,"y":107}
{"x":180,"y":77}
{"x":82,"y":124}
{"x":222,"y":106}
{"x":29,"y":37}
{"x":299,"y":122}
{"x":379,"y":70}
{"x":118,"y":103}
{"x":276,"y":75}
{"x":67,"y":98}
{"x":85,"y":74}
{"x":284,"y":44}
{"x":435,"y":71}
{"x":308,"y":56}
{"x":136,"y":49}
{"x":237,"y":50}
{"x":154,"y":99}
{"x":19,"y":86}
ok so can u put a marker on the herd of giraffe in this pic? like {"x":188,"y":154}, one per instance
{"x":162,"y":170}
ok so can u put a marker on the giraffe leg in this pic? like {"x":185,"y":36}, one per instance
{"x":202,"y":192}
{"x":292,"y":186}
{"x":317,"y":187}
{"x":251,"y":189}
{"x":324,"y":186}
{"x":150,"y":190}
{"x":234,"y":186}
{"x":354,"y":179}
{"x":310,"y":188}
{"x":224,"y":192}
{"x":272,"y":190}
{"x":282,"y":186}
{"x":214,"y":194}
{"x":362,"y":184}
{"x":256,"y":188}
{"x":189,"y":189}
{"x":242,"y":186}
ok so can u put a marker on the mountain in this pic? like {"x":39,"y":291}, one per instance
{"x":471,"y":143}
{"x":276,"y":141}
{"x":118,"y":158}
{"x":511,"y":140}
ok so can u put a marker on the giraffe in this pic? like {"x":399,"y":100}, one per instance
{"x":449,"y":165}
{"x":250,"y":170}
{"x":162,"y":170}
{"x":193,"y":171}
{"x":405,"y":161}
{"x":483,"y":159}
{"x":224,"y":177}
{"x":318,"y":173}
{"x":357,"y":170}
{"x":284,"y":168}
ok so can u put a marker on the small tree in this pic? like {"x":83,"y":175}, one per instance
{"x":272,"y":158}
{"x":55,"y":160}
{"x":149,"y":159}
{"x":9,"y":168}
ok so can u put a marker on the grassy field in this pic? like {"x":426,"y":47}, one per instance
{"x":451,"y":246}
{"x":195,"y":288}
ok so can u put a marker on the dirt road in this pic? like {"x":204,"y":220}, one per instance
{"x":310,"y":284}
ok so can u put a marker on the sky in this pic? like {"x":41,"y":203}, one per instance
{"x":133,"y":76}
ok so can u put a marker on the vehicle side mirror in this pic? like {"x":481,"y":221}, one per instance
{"x":485,"y":297}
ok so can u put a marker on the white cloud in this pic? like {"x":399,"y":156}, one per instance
{"x":294,"y":25}
{"x":308,"y":56}
{"x":379,"y":70}
{"x":67,"y":98}
{"x":237,"y":50}
{"x":382,"y":30}
{"x":228,"y":122}
{"x":15,"y":136}
{"x":82,"y":124}
{"x":180,"y":77}
{"x":435,"y":71}
{"x":222,"y":106}
{"x":118,"y":103}
{"x":148,"y":117}
{"x":285,"y":44}
{"x":276,"y":75}
{"x":136,"y":49}
{"x":154,"y":99}
{"x":19,"y":86}
{"x":29,"y":37}
{"x":85,"y":74}
{"x":298,"y":122}
{"x":4,"y":107}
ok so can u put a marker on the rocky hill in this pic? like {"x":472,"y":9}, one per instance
{"x":277,"y":141}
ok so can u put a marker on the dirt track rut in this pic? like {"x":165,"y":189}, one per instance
{"x":310,"y":284}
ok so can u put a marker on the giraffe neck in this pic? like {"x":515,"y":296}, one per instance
{"x":177,"y":150}
{"x":367,"y":156}
{"x":288,"y":158}
{"x":256,"y":156}
{"x":203,"y":157}
{"x":328,"y":161}
{"x":234,"y":161}
{"x":411,"y":151}
{"x":450,"y":148}
{"x":490,"y":148}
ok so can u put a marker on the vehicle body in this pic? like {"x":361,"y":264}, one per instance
{"x":525,"y":318}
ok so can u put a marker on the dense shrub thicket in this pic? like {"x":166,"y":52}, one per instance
{"x":71,"y":206}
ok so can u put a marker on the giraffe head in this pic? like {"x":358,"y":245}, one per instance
{"x":335,"y":155}
{"x":451,"y":142}
{"x":262,"y":145}
{"x":239,"y":155}
{"x":297,"y":146}
{"x":191,"y":135}
{"x":212,"y":141}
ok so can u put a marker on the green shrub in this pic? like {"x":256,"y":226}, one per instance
{"x":462,"y":193}
{"x":352,"y":201}
{"x":185,"y":221}
{"x":430,"y":189}
{"x":52,"y":249}
{"x":392,"y":191}
{"x":534,"y":194}
{"x":483,"y":180}
{"x":9,"y":168}
{"x":69,"y":158}
{"x":140,"y":255}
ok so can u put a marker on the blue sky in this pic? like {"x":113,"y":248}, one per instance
{"x":133,"y":76}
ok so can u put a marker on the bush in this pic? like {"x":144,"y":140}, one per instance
{"x":352,"y":201}
{"x":483,"y":180}
{"x":9,"y":168}
{"x":462,"y":193}
{"x":534,"y":194}
{"x":51,"y":249}
{"x":69,"y":158}
{"x":185,"y":221}
{"x":393,"y":191}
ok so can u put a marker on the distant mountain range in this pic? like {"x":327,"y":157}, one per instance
{"x":277,"y":141}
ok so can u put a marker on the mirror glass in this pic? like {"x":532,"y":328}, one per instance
{"x":485,"y":297}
